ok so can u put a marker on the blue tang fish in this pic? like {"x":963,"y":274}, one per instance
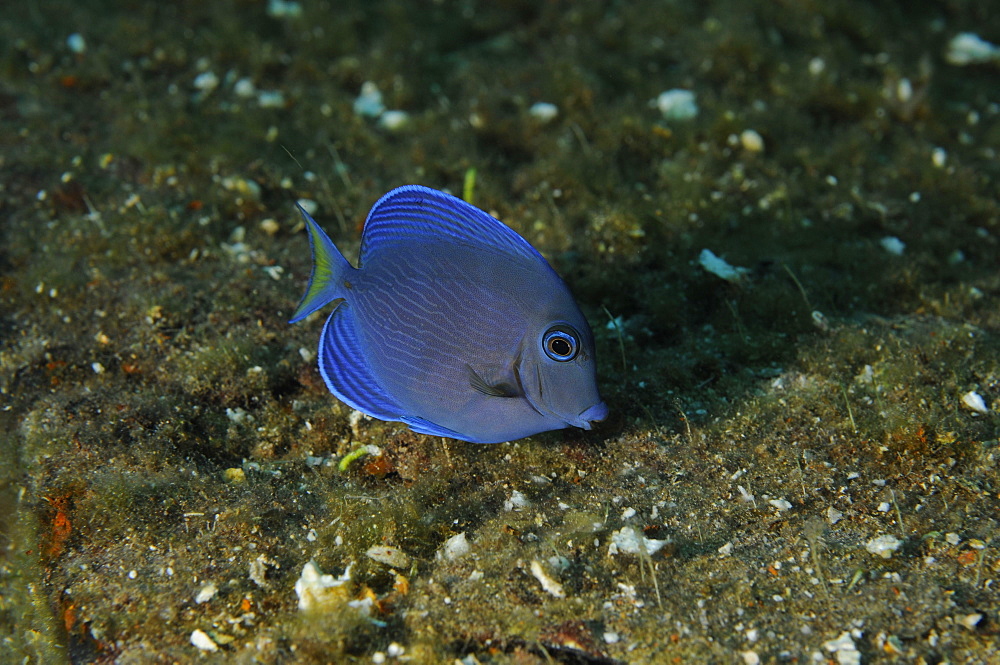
{"x":451,"y":323}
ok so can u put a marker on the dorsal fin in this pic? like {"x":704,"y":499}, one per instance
{"x":420,"y":214}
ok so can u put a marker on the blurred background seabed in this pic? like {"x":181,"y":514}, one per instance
{"x":800,"y":461}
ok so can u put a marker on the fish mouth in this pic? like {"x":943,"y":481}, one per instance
{"x":588,"y":417}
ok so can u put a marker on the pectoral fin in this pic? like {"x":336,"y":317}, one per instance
{"x":494,"y":383}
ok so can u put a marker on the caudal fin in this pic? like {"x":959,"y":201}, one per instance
{"x":329,"y":266}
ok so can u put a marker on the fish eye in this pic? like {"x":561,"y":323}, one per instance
{"x":560,"y":343}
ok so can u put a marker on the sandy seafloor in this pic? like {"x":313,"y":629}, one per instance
{"x":171,"y":460}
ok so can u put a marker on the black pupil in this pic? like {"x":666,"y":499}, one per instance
{"x":560,"y":346}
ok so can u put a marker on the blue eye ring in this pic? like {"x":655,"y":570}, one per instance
{"x":561,"y":343}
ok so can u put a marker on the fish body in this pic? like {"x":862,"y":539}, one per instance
{"x":451,"y":323}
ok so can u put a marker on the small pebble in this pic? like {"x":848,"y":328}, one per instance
{"x":76,"y":43}
{"x":970,"y":621}
{"x":271,"y":99}
{"x":284,"y":9}
{"x":752,"y":141}
{"x":200,"y":639}
{"x":206,"y":81}
{"x":244,"y":88}
{"x":394,"y":121}
{"x":893,"y":245}
{"x":543,"y":111}
{"x":269,"y":226}
{"x":234,"y":475}
{"x":677,"y":104}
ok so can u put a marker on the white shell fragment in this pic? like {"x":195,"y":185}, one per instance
{"x":552,"y":587}
{"x":284,"y":9}
{"x":76,"y":43}
{"x":627,"y":540}
{"x":677,"y":104}
{"x":543,"y":111}
{"x":516,"y":502}
{"x":718,"y":267}
{"x":394,"y":120}
{"x":939,"y":157}
{"x":975,"y":401}
{"x":883,"y":546}
{"x":206,"y":593}
{"x":200,"y":639}
{"x":455,"y":547}
{"x":206,"y":81}
{"x":844,"y":649}
{"x":271,"y":99}
{"x":893,"y":245}
{"x":968,"y":48}
{"x":315,"y":588}
{"x":390,"y":556}
{"x":245,"y":88}
{"x":781,"y":504}
{"x":369,"y":102}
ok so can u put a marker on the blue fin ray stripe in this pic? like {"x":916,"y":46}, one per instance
{"x":345,"y":371}
{"x":419,"y":213}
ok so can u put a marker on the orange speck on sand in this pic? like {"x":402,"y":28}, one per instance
{"x":59,"y":532}
{"x":69,"y":616}
{"x":967,"y":558}
{"x":402,"y":585}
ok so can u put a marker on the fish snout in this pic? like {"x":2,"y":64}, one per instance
{"x":594,"y":414}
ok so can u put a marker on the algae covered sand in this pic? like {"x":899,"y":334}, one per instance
{"x":801,"y":464}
